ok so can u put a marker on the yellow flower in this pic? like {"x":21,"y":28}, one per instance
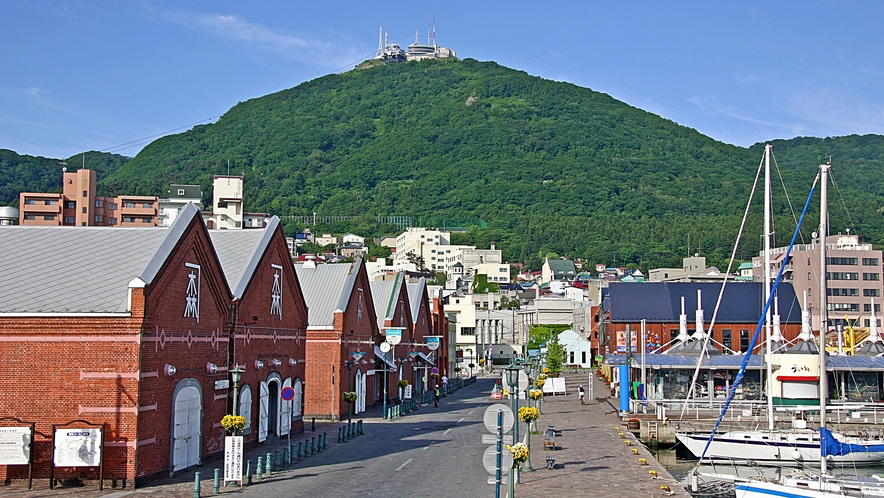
{"x":535,"y":394}
{"x":349,"y":397}
{"x":539,"y":383}
{"x":528,"y":413}
{"x":233,"y":423}
{"x":520,"y":453}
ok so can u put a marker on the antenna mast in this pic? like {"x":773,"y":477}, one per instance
{"x":380,"y":38}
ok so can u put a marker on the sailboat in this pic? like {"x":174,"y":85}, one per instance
{"x":798,"y":445}
{"x":803,"y":484}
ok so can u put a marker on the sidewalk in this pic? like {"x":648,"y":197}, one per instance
{"x":591,"y":457}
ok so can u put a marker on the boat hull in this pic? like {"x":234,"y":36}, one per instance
{"x":781,"y":448}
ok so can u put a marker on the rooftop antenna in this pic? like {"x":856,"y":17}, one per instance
{"x":228,"y":171}
{"x":428,"y":31}
{"x":434,"y":32}
{"x":387,"y":36}
{"x":417,"y":36}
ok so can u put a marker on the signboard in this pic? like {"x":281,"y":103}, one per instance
{"x":394,"y":336}
{"x":15,"y":445}
{"x":407,"y":392}
{"x":385,"y":347}
{"x":287,"y":393}
{"x":490,"y":417}
{"x":433,"y":343}
{"x":621,"y":341}
{"x":77,"y":448}
{"x":233,"y":455}
{"x":434,"y":370}
{"x":222,"y":384}
{"x":489,"y":460}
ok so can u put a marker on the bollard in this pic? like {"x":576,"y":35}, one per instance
{"x":248,"y":472}
{"x":313,"y":425}
{"x":340,"y":434}
{"x":312,"y":444}
{"x":285,"y":457}
{"x":268,"y":466}
{"x":196,"y":485}
{"x":292,"y":455}
{"x":300,"y":450}
{"x":260,"y":468}
{"x":277,"y":459}
{"x":324,"y":440}
{"x":353,"y":429}
{"x":359,"y":427}
{"x":307,"y":447}
{"x":216,"y":484}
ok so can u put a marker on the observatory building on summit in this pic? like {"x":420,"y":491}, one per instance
{"x":392,"y":52}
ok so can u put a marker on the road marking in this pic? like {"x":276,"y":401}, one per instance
{"x":471,"y":412}
{"x":404,"y":464}
{"x":446,"y":431}
{"x":424,"y":448}
{"x":461,"y":420}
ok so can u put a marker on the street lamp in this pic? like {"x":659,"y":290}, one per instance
{"x":512,"y":380}
{"x":349,"y":364}
{"x":235,"y":376}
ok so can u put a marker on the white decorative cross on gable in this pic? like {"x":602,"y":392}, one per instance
{"x":192,"y":297}
{"x":276,"y":292}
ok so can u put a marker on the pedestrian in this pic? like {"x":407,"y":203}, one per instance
{"x":437,"y":395}
{"x":582,"y":395}
{"x":445,"y":383}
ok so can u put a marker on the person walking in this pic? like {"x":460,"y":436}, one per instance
{"x":437,"y":395}
{"x":445,"y":384}
{"x":582,"y":395}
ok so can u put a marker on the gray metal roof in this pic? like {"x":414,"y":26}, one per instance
{"x":415,"y":295}
{"x":381,"y":294}
{"x":855,"y":363}
{"x":324,"y":288}
{"x":81,"y":269}
{"x":240,"y":251}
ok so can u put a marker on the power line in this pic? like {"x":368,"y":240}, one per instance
{"x":135,"y":143}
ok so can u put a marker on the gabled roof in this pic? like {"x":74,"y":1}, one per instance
{"x":240,"y":251}
{"x":661,"y":301}
{"x":415,"y":295}
{"x":383,"y":294}
{"x":326,"y":288}
{"x":561,"y":265}
{"x":82,"y":270}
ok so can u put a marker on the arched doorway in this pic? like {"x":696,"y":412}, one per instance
{"x":298,"y":402}
{"x":245,"y":408}
{"x":187,"y":417}
{"x":268,"y":410}
{"x":360,"y":392}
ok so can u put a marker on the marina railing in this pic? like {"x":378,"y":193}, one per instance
{"x":751,"y":410}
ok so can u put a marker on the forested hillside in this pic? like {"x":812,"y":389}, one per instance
{"x":552,"y":167}
{"x":22,"y":173}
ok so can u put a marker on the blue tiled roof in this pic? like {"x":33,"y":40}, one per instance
{"x":661,"y":301}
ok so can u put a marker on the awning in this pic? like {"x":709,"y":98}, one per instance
{"x":379,"y":355}
{"x":426,"y":358}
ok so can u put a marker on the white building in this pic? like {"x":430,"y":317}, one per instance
{"x":424,"y":243}
{"x":578,"y":351}
{"x":179,"y":196}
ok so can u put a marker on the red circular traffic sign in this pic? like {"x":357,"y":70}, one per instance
{"x":287,"y":393}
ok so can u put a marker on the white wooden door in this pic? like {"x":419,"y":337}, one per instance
{"x":360,"y":392}
{"x":297,"y":403}
{"x":245,"y":408}
{"x":263,"y":411}
{"x":186,"y":431}
{"x":285,"y":412}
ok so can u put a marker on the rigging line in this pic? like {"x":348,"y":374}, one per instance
{"x":353,"y":65}
{"x":136,"y":142}
{"x":843,"y":204}
{"x":739,"y":378}
{"x":785,"y":191}
{"x":723,"y":283}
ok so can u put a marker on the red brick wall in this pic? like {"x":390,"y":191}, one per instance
{"x":262,"y":336}
{"x":188,"y":345}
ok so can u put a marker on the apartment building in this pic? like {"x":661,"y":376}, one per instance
{"x":853,"y":277}
{"x":77,"y":205}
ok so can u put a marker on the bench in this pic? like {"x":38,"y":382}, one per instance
{"x":549,"y":443}
{"x":550,"y":461}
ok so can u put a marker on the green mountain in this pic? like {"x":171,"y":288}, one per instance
{"x":550,"y":166}
{"x":23,"y":173}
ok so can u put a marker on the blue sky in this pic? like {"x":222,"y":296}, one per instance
{"x":114,"y":75}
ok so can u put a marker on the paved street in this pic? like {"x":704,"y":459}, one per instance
{"x":437,"y":452}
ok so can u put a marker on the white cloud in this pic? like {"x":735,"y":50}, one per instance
{"x":836,"y":109}
{"x":712,"y":107}
{"x":309,"y":48}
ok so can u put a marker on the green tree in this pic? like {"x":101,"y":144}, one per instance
{"x":481,"y":285}
{"x":555,"y":358}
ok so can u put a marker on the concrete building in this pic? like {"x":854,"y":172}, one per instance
{"x":558,"y":269}
{"x":427,"y":244}
{"x":854,"y":277}
{"x":179,"y":196}
{"x":228,"y":209}
{"x":77,"y":205}
{"x":693,"y":269}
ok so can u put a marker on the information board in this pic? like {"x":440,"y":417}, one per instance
{"x":15,"y":445}
{"x":77,"y":448}
{"x":233,"y":455}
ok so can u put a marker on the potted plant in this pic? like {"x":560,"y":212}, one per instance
{"x":403,"y":383}
{"x":349,"y":397}
{"x":233,"y":423}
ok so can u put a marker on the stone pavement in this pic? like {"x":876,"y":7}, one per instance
{"x":591,"y":457}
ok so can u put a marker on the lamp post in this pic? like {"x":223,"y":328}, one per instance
{"x":512,"y":380}
{"x":235,"y":376}
{"x":349,"y":364}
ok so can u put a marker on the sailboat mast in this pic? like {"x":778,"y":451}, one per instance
{"x":824,"y":318}
{"x":768,"y":349}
